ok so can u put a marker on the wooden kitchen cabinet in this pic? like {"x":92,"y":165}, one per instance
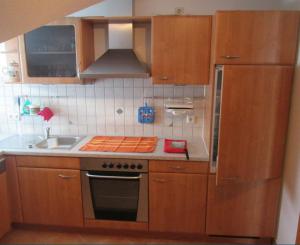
{"x":256,"y":37}
{"x":5,"y":218}
{"x":13,"y":189}
{"x":298,"y":232}
{"x":57,"y":52}
{"x":48,"y":162}
{"x":181,"y":49}
{"x":246,"y":210}
{"x":51,"y":196}
{"x":177,"y":202}
{"x":254,"y":118}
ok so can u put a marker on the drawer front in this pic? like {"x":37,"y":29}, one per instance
{"x":48,"y":162}
{"x":178,"y":167}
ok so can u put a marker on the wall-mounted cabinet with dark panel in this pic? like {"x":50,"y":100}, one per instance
{"x":56,"y":53}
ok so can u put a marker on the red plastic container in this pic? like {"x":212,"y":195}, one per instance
{"x":170,"y":146}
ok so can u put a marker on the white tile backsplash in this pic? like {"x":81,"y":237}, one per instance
{"x":92,"y":109}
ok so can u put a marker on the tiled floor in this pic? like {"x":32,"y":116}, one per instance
{"x":25,"y":236}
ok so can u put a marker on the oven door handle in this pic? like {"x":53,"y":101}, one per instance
{"x":113,"y":177}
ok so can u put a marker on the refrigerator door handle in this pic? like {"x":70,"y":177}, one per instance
{"x":216,"y":118}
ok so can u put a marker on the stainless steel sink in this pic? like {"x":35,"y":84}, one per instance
{"x":59,"y":142}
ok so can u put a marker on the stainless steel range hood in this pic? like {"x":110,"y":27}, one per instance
{"x":119,"y":60}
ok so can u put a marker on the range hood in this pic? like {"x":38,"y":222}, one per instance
{"x":120,"y":59}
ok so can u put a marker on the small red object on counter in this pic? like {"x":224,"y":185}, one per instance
{"x":176,"y":146}
{"x":170,"y":146}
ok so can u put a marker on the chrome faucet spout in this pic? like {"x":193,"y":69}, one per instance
{"x":47,"y":132}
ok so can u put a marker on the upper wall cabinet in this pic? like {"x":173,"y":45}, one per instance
{"x":181,"y":49}
{"x":256,"y":37}
{"x":57,"y":52}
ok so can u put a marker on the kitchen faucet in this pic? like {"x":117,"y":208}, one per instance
{"x":47,"y":133}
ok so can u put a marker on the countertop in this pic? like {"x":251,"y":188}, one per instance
{"x":19,"y":146}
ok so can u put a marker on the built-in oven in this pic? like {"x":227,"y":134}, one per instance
{"x":115,"y":189}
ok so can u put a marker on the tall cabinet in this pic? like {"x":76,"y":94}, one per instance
{"x":255,"y":55}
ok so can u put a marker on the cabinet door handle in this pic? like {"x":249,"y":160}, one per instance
{"x":230,"y":179}
{"x":163,"y":78}
{"x":231,"y":57}
{"x":66,"y":176}
{"x":160,"y":180}
{"x":177,"y":167}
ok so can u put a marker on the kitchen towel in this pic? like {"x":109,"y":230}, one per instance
{"x":46,"y":113}
{"x":121,"y":144}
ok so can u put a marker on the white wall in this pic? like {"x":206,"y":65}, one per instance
{"x":155,"y":7}
{"x":20,"y":16}
{"x":107,"y":8}
{"x":290,"y":204}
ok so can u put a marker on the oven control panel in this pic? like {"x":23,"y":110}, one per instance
{"x":124,"y":165}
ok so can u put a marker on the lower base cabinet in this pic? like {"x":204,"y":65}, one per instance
{"x":5,"y":219}
{"x":177,"y":202}
{"x":51,"y":196}
{"x":246,"y":210}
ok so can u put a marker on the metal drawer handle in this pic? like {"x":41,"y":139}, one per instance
{"x":177,"y":167}
{"x":66,"y":176}
{"x":113,"y":177}
{"x":163,"y":78}
{"x":160,"y":180}
{"x":231,"y":57}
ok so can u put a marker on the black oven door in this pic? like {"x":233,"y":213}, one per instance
{"x":116,"y":195}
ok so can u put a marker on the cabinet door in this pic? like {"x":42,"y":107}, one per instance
{"x":55,"y":53}
{"x":5,"y":219}
{"x":13,"y":189}
{"x":177,"y":202}
{"x":248,"y":210}
{"x":51,"y":196}
{"x":254,"y":117}
{"x":298,"y":232}
{"x":181,"y":49}
{"x":256,"y":37}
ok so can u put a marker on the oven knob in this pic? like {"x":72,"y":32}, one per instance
{"x":139,"y":166}
{"x":104,"y":165}
{"x":125,"y":166}
{"x":111,"y":165}
{"x":119,"y":166}
{"x":132,"y":166}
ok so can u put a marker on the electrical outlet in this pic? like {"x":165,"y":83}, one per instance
{"x":13,"y":117}
{"x":120,"y":111}
{"x":179,"y":10}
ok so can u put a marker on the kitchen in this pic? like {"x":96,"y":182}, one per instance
{"x":138,"y":143}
